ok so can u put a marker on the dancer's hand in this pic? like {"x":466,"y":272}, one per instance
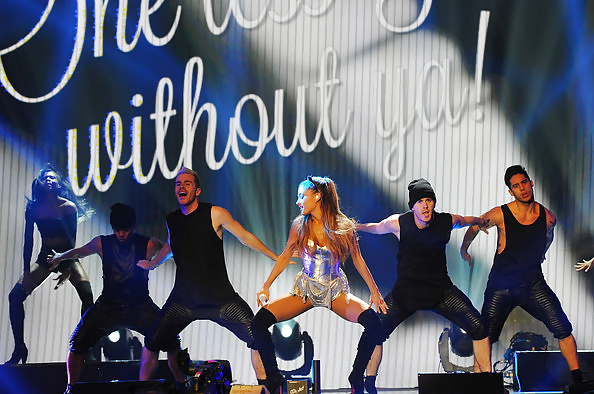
{"x":466,"y":257}
{"x":378,"y":300}
{"x":62,"y":278}
{"x":144,"y":264}
{"x":54,"y":259}
{"x":585,"y":265}
{"x":263,"y":296}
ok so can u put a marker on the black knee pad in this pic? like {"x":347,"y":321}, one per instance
{"x":17,"y":294}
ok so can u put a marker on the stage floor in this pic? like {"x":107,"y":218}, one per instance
{"x":50,"y":378}
{"x":416,"y":391}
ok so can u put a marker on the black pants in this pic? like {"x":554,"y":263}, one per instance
{"x":454,"y":306}
{"x":236,"y":316}
{"x":104,"y":317}
{"x":537,"y":299}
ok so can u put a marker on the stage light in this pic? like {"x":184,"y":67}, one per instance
{"x":461,"y":342}
{"x":286,"y":337}
{"x":290,"y":343}
{"x":462,"y":348}
{"x":114,"y":336}
{"x":286,"y":331}
{"x":121,"y":345}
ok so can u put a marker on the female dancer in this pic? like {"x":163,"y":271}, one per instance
{"x":323,"y":237}
{"x":54,"y":208}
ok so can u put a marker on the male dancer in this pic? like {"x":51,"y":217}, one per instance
{"x":202,"y":289}
{"x":524,"y":234}
{"x":125,"y":300}
{"x":423,"y":282}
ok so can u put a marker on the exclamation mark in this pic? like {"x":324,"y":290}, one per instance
{"x":480,"y":55}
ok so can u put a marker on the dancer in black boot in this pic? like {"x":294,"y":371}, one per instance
{"x":322,"y":236}
{"x":55,"y":210}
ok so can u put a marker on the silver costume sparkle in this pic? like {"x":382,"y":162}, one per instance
{"x":321,"y":279}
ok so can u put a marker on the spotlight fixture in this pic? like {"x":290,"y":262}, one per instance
{"x":121,"y":345}
{"x":290,"y":343}
{"x":461,"y":348}
{"x":461,"y":342}
{"x":286,"y":337}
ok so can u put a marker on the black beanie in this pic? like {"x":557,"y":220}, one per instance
{"x":417,"y":189}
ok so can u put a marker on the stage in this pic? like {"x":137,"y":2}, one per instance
{"x":50,"y":378}
{"x":121,"y":377}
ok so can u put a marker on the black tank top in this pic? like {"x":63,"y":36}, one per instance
{"x":422,"y":265}
{"x":123,"y":280}
{"x":201,"y":278}
{"x":520,"y":262}
{"x":64,"y":228}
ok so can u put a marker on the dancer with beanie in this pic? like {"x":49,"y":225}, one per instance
{"x":423,"y":282}
{"x":124,"y":301}
{"x":323,"y":237}
{"x":54,"y":209}
{"x":524,"y":234}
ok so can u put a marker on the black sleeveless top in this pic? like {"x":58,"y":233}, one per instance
{"x":525,"y":245}
{"x":123,"y":280}
{"x":64,"y":228}
{"x":63,"y":231}
{"x":422,"y":265}
{"x":201,"y":278}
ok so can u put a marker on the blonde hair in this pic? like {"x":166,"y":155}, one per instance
{"x":186,"y":170}
{"x":338,"y":228}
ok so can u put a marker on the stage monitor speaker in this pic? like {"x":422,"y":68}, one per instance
{"x":248,"y":389}
{"x":122,"y":387}
{"x":298,"y":386}
{"x":461,"y":383}
{"x":50,"y":378}
{"x":548,"y":370}
{"x":33,"y":378}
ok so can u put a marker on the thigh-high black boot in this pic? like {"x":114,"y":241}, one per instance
{"x":263,"y":344}
{"x":16,"y":298}
{"x":369,"y":339}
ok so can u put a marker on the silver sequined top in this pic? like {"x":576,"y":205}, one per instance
{"x":321,"y":279}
